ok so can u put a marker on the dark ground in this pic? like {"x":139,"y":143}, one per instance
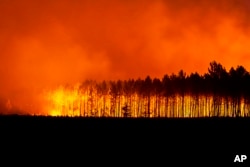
{"x":207,"y":140}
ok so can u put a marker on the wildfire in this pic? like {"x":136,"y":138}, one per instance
{"x":174,"y":96}
{"x":63,"y":101}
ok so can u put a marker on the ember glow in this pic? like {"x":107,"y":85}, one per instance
{"x":59,"y":100}
{"x":46,"y":43}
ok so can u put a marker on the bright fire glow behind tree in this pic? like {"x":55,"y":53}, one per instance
{"x":48,"y":43}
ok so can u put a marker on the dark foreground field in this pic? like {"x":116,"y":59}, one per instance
{"x":172,"y":124}
{"x":168,"y":140}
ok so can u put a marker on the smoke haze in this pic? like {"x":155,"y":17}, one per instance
{"x":44,"y":43}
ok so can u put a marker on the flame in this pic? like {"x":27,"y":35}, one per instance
{"x":45,"y":43}
{"x":63,"y":101}
{"x":86,"y":101}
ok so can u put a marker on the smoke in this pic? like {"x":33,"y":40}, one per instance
{"x":47,"y":43}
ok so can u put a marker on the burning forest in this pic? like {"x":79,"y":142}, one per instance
{"x":125,"y":57}
{"x":217,"y":93}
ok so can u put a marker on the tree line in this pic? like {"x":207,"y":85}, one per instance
{"x":218,"y":92}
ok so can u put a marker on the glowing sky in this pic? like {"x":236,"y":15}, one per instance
{"x":45,"y":42}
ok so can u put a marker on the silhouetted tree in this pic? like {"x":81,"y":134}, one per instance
{"x":216,"y":93}
{"x":147,"y":90}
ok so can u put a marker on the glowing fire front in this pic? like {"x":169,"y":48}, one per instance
{"x":84,"y":100}
{"x":133,"y":99}
{"x":63,"y":102}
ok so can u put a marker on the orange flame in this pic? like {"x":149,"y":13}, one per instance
{"x":63,"y":101}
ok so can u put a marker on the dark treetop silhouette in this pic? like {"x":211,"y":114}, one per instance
{"x":216,"y":93}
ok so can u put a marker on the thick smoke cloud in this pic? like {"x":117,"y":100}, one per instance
{"x":44,"y":43}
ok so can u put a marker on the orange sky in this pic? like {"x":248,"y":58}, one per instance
{"x":44,"y":42}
